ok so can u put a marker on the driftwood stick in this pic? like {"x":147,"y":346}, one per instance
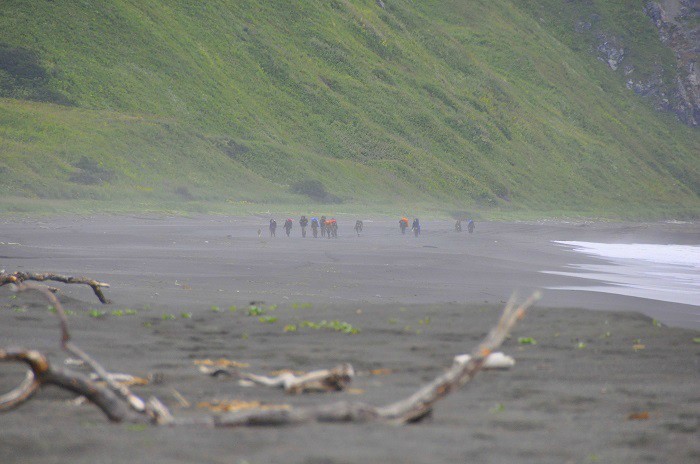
{"x":19,"y":276}
{"x":43,"y":373}
{"x":24,"y":391}
{"x":323,"y":380}
{"x":66,"y":343}
{"x":420,"y":403}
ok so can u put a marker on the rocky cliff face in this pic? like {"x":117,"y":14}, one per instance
{"x":668,"y":86}
{"x":679,"y":29}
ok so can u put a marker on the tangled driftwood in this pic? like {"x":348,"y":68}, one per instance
{"x":323,"y":380}
{"x":120,"y":405}
{"x":19,"y":276}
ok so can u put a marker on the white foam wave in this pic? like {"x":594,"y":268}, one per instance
{"x":652,"y":271}
{"x":682,"y":255}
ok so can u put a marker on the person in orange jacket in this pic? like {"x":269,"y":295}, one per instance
{"x":403,"y":224}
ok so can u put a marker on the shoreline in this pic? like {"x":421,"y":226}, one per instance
{"x":193,"y":263}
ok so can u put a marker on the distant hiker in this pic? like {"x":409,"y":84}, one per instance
{"x":458,"y":225}
{"x":273,"y":227}
{"x":259,"y":233}
{"x":314,"y":226}
{"x":416,"y":227}
{"x":328,"y":228}
{"x":303,"y":222}
{"x":323,"y":226}
{"x":331,"y":228}
{"x":470,"y":226}
{"x":403,"y":224}
{"x":288,"y":226}
{"x":358,"y":227}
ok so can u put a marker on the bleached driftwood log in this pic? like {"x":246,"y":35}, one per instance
{"x":323,"y":380}
{"x":119,"y":407}
{"x":19,"y":277}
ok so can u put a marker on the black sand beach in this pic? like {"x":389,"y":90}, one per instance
{"x":571,"y":397}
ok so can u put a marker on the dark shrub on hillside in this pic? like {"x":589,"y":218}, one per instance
{"x":21,"y":63}
{"x":184,"y":193}
{"x":314,"y":189}
{"x":90,"y":172}
{"x":22,"y":76}
{"x":310,"y":187}
{"x":233,"y":149}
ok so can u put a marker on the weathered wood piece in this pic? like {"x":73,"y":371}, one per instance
{"x":134,"y":401}
{"x":323,"y":380}
{"x":20,"y":276}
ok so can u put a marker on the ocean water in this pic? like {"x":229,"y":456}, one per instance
{"x":652,"y":271}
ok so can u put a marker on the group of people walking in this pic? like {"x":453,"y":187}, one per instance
{"x":329,"y":227}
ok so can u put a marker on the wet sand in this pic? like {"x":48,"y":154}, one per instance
{"x":417,"y":302}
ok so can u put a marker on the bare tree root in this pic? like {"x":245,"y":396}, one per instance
{"x":19,"y":277}
{"x":118,"y":407}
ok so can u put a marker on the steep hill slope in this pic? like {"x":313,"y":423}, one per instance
{"x":445,"y":102}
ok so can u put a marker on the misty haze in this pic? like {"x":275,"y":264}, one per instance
{"x":349,"y":231}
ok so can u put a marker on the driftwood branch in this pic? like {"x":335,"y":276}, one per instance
{"x":42,"y":373}
{"x":420,"y":403}
{"x":323,"y":380}
{"x":24,"y":391}
{"x":19,"y":277}
{"x":329,"y":380}
{"x":117,"y":406}
{"x":122,"y":390}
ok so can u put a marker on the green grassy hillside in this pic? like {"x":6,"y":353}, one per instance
{"x":489,"y":104}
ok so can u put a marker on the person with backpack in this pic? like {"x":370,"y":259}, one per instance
{"x":358,"y":227}
{"x":323,"y":226}
{"x":273,"y":227}
{"x":303,"y":222}
{"x":470,"y":226}
{"x":331,"y":228}
{"x":288,"y":226}
{"x":403,"y":224}
{"x":314,"y":226}
{"x":416,"y":227}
